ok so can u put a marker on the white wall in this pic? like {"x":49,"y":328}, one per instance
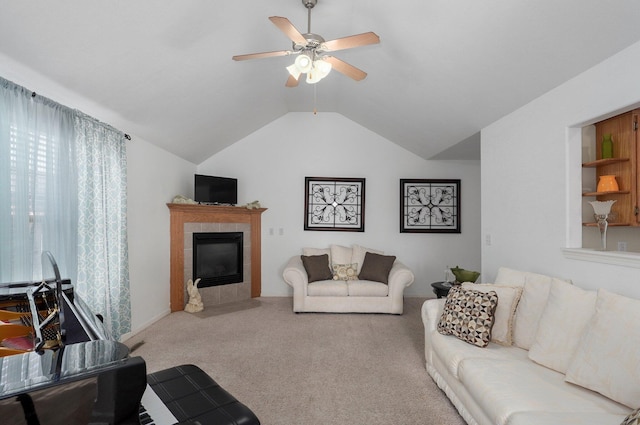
{"x":271,"y":165}
{"x":531,"y":177}
{"x":154,"y":178}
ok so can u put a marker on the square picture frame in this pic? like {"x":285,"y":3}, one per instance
{"x":430,"y":206}
{"x":334,"y":203}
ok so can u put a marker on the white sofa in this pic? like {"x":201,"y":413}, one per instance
{"x":572,"y":357}
{"x":346,"y":296}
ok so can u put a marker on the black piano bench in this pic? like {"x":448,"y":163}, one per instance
{"x":195,"y":398}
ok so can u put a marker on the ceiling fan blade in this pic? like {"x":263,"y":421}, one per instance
{"x":261,"y":55}
{"x":346,"y":69}
{"x":288,"y":29}
{"x":292,"y":81}
{"x":351,"y":41}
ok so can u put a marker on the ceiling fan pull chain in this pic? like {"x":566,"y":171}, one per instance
{"x":315,"y":99}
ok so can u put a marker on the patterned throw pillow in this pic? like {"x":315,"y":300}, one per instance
{"x":632,"y":419}
{"x":469,"y":315}
{"x":345,"y":271}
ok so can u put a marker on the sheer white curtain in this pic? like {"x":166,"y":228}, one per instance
{"x":63,"y":189}
{"x":38,"y":211}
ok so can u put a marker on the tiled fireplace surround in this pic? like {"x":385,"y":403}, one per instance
{"x":187,"y":219}
{"x":220,"y":294}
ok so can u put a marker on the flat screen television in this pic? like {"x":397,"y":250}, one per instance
{"x":216,"y":190}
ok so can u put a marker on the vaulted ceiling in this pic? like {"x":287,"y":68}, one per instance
{"x":442,"y":71}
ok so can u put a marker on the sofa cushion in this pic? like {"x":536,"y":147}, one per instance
{"x":452,"y":351}
{"x":345,"y":271}
{"x":359,"y":252}
{"x":328,"y":288}
{"x":341,"y":254}
{"x":367,"y":288}
{"x":317,"y":267}
{"x":563,"y":321}
{"x":508,"y":297}
{"x":564,"y":418}
{"x":376,"y":267}
{"x":468,"y":315}
{"x":504,"y":388}
{"x":608,"y":356}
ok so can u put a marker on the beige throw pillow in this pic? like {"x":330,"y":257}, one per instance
{"x":565,"y":317}
{"x":532,"y":302}
{"x":341,"y":254}
{"x":508,"y":297}
{"x":608,"y":356}
{"x":632,"y":418}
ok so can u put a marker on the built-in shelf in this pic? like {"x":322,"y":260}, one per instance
{"x":601,"y":162}
{"x":616,"y":192}
{"x":609,"y":225}
{"x":616,"y":258}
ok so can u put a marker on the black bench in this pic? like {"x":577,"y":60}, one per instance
{"x":193,"y":397}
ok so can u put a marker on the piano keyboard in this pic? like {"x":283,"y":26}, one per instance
{"x":153,"y":411}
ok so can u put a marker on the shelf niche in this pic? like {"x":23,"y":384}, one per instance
{"x":624,"y":165}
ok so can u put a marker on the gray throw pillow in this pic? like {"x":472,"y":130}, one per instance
{"x":376,"y":267}
{"x":317,"y":267}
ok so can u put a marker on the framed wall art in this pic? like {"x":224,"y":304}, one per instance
{"x":334,"y":204}
{"x":429,"y":206}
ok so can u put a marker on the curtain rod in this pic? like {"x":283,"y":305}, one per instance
{"x":126,"y":136}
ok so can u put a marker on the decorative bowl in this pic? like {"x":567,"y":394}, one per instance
{"x":463,"y":275}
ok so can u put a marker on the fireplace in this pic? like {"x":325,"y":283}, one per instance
{"x":217,"y":258}
{"x":187,"y":219}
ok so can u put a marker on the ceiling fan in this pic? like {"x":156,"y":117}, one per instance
{"x":312,"y":50}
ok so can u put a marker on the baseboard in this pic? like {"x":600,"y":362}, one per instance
{"x":144,"y":326}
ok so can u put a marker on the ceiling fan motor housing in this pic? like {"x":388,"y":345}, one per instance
{"x":309,"y":3}
{"x":313,"y":42}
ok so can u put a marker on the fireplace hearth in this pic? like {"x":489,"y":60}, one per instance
{"x":217,"y":258}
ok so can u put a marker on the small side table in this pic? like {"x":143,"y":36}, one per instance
{"x":441,"y":289}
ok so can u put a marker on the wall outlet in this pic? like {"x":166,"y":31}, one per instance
{"x":487,"y":239}
{"x":622,"y":246}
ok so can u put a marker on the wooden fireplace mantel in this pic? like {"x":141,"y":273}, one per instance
{"x":194,"y":213}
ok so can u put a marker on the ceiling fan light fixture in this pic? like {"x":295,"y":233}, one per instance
{"x":294,"y":71}
{"x":303,"y":63}
{"x":322,"y":66}
{"x":320,"y":70}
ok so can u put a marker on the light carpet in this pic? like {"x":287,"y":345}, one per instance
{"x":308,"y":368}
